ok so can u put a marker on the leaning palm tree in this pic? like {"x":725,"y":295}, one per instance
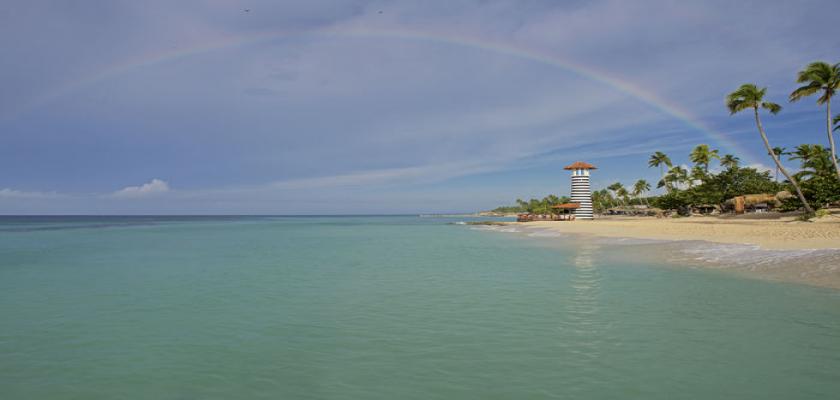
{"x":702,"y":155}
{"x":729,"y":161}
{"x":750,"y":96}
{"x":639,"y":188}
{"x":824,"y":78}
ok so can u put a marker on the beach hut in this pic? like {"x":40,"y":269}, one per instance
{"x":581,"y":191}
{"x":757,"y":202}
{"x":566,"y":211}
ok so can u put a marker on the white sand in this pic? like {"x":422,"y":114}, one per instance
{"x":783,"y":234}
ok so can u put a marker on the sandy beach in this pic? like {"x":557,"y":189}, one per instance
{"x":775,"y":234}
{"x":781,"y":249}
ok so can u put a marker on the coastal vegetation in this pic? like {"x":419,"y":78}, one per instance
{"x":533,"y":206}
{"x":715,"y":178}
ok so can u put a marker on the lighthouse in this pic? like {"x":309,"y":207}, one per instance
{"x":581,"y":191}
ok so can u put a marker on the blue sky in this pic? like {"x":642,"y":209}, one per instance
{"x":313,"y":107}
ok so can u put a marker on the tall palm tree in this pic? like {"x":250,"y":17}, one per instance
{"x":779,"y":152}
{"x":660,"y":159}
{"x":640,"y":187}
{"x":729,"y":161}
{"x":702,"y":155}
{"x":750,"y":96}
{"x":824,"y":78}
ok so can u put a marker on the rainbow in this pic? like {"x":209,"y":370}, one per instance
{"x":589,"y":72}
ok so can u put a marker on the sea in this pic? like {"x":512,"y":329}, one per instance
{"x":389,"y":307}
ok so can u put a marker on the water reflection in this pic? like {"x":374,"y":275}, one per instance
{"x":584,"y":325}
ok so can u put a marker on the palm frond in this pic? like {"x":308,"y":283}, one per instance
{"x":804,"y":91}
{"x":746,"y":96}
{"x":818,"y":71}
{"x":772,"y":107}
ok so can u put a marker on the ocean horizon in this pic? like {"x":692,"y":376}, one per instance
{"x":367,"y":307}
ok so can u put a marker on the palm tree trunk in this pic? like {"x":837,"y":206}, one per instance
{"x":831,"y":136}
{"x":793,"y":182}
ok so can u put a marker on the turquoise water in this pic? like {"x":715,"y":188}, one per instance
{"x":387,"y":308}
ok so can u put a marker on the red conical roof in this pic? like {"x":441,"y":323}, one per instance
{"x":580,"y":165}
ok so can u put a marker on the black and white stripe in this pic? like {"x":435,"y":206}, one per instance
{"x":582,"y":194}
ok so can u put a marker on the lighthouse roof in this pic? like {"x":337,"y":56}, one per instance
{"x":580,"y":165}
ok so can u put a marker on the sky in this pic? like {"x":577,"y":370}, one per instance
{"x":380,"y":107}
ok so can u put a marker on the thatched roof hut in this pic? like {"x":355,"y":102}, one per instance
{"x":757,"y":201}
{"x":566,"y":206}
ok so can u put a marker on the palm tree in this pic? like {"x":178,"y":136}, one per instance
{"x":779,"y":152}
{"x":622,"y":192}
{"x":729,"y":161}
{"x":702,"y":155}
{"x":660,"y":159}
{"x":617,"y":188}
{"x":523,"y":205}
{"x":602,"y":197}
{"x":750,"y":96}
{"x":640,"y":187}
{"x":836,"y":122}
{"x":814,"y":160}
{"x":676,"y":176}
{"x":697,"y":174}
{"x":680,"y":175}
{"x":821,"y":77}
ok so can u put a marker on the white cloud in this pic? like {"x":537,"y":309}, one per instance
{"x":155,"y":186}
{"x":7,"y":193}
{"x":761,"y":167}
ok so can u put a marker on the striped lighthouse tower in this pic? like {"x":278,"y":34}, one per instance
{"x":581,"y":192}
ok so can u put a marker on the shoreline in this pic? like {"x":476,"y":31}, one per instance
{"x":777,"y":234}
{"x":780,"y":250}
